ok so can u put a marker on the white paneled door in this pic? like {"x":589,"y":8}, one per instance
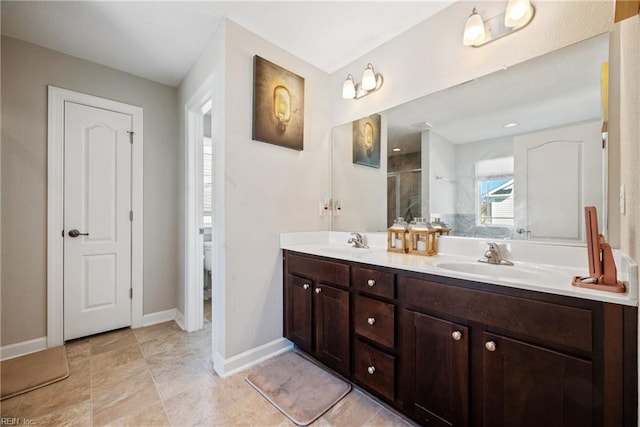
{"x":97,"y":224}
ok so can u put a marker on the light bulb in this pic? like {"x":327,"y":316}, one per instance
{"x":368,"y":78}
{"x":349,"y":88}
{"x":518,"y":13}
{"x":474,"y":29}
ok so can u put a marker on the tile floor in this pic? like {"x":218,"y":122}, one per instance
{"x":160,"y":375}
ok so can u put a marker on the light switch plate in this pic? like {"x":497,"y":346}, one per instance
{"x":623,"y":200}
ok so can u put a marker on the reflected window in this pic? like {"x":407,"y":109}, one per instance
{"x":494,"y":180}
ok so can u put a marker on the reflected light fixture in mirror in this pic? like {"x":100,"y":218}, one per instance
{"x":478,"y":32}
{"x":371,"y":82}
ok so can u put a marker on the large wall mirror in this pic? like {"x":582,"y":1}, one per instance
{"x":516,"y":154}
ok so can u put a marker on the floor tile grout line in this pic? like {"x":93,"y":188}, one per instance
{"x":90,"y":384}
{"x":155,"y":384}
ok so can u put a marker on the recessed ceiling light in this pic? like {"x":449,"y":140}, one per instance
{"x":510,"y":125}
{"x":427,"y":124}
{"x":397,"y":149}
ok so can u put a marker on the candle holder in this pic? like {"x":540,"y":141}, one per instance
{"x":397,"y":236}
{"x":422,"y":239}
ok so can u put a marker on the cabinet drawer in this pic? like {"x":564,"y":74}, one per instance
{"x":375,"y":320}
{"x":375,"y":369}
{"x":374,"y":282}
{"x":319,"y":270}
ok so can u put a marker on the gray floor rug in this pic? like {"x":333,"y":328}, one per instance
{"x":298,"y":388}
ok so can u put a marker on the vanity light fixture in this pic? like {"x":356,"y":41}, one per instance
{"x":478,"y":32}
{"x":371,"y":82}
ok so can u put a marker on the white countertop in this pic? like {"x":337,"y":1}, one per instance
{"x":541,"y":267}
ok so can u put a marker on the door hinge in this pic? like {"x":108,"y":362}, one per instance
{"x":62,"y":233}
{"x":131,"y":133}
{"x":130,"y":215}
{"x":130,"y":293}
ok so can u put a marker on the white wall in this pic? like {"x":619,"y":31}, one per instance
{"x":442,"y":163}
{"x":364,"y":206}
{"x":430,"y":56}
{"x":27,"y":69}
{"x":261,"y":189}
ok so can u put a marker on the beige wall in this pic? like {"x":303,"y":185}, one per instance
{"x":261,"y":189}
{"x":625,"y":128}
{"x":27,"y":69}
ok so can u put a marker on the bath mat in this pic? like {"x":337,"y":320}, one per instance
{"x":299,"y":389}
{"x":26,"y":373}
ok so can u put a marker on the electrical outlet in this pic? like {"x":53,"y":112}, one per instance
{"x":623,"y":200}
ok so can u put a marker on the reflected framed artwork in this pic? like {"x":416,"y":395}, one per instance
{"x":366,"y":141}
{"x":278,"y":105}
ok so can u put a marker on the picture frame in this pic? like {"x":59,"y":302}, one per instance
{"x":278,"y":105}
{"x":366,"y":141}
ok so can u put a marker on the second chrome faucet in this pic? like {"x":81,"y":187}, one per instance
{"x":357,"y":241}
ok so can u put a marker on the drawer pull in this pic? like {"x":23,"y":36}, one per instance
{"x":318,"y":290}
{"x":456,"y":335}
{"x":305,"y":286}
{"x":371,"y":320}
{"x":371,"y":283}
{"x":490,"y":345}
{"x":371,"y":370}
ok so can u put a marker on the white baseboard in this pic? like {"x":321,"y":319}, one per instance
{"x":158,"y":317}
{"x":179,"y":318}
{"x":225,"y":367}
{"x":20,"y":349}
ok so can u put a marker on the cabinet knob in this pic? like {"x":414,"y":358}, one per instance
{"x":490,"y":345}
{"x":318,"y":290}
{"x":371,"y":320}
{"x":371,"y":370}
{"x":305,"y":286}
{"x":456,"y":335}
{"x":371,"y":282}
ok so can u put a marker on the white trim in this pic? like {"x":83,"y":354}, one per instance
{"x":158,"y":317}
{"x":194,"y":263}
{"x":233,"y":365}
{"x":55,"y":206}
{"x":179,"y":319}
{"x":22,"y":348}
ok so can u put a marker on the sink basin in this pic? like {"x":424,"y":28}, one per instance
{"x":496,"y":271}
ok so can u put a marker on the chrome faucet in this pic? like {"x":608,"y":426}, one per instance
{"x":357,"y":241}
{"x":493,"y":255}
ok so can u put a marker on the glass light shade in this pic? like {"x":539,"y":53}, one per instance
{"x":349,"y":88}
{"x":474,"y":29}
{"x":282,"y":106}
{"x":518,"y":13}
{"x":368,"y":78}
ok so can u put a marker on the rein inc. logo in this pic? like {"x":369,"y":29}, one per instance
{"x":15,"y":421}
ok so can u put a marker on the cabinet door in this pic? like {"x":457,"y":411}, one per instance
{"x":332,"y":327}
{"x":527,"y":385}
{"x":437,"y":360}
{"x":298,"y":312}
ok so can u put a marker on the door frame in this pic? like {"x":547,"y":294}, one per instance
{"x":194,"y":262}
{"x":55,"y":206}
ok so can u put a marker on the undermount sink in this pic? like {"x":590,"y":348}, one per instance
{"x":495,"y":271}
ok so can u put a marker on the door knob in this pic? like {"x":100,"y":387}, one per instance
{"x":490,"y":345}
{"x":305,"y":286}
{"x":371,"y":320}
{"x":318,"y":290}
{"x":371,"y":370}
{"x":76,"y":233}
{"x":456,"y":335}
{"x":371,"y":283}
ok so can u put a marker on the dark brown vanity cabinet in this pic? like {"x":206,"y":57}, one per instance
{"x":436,"y":359}
{"x":451,"y":352}
{"x":316,"y":314}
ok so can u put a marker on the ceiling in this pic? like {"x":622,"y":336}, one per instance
{"x":161,"y":41}
{"x":552,"y":90}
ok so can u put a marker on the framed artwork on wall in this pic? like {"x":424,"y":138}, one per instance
{"x":278,"y":105}
{"x":366,"y":141}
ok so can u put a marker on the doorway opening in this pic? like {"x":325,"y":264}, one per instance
{"x":199,"y":259}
